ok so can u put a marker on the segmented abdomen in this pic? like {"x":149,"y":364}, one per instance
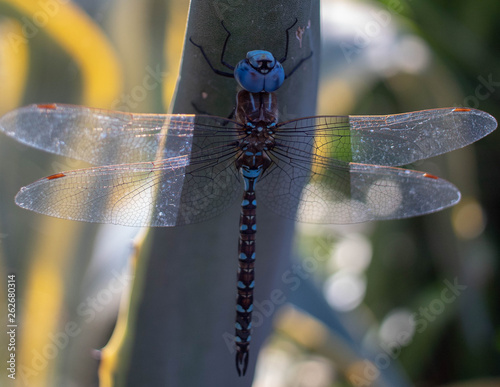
{"x":245,"y":281}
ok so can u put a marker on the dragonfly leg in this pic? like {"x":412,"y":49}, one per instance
{"x":286,"y":52}
{"x":298,"y":65}
{"x":216,"y":71}
{"x":224,"y":48}
{"x":204,"y":112}
{"x":198,"y":110}
{"x":287,"y":41}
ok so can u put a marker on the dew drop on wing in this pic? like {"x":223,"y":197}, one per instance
{"x":161,"y":217}
{"x":61,"y":146}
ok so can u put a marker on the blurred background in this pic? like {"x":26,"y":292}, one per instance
{"x":417,"y":297}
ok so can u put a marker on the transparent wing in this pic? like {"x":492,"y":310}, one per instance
{"x":330,"y":191}
{"x":105,"y":137}
{"x":165,"y":193}
{"x":196,"y":179}
{"x":387,"y":140}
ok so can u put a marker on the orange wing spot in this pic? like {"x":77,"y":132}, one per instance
{"x":51,"y":106}
{"x":56,"y":176}
{"x":461,"y":110}
{"x":430,"y":176}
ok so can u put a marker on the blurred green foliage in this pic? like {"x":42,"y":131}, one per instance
{"x":412,"y":257}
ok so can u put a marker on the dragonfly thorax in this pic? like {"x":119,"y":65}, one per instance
{"x":256,"y":109}
{"x":253,"y":150}
{"x":259,"y":72}
{"x":259,"y":113}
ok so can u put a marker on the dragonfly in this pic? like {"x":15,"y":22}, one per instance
{"x":166,"y":170}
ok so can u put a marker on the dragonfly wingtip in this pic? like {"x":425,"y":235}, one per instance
{"x":490,"y":123}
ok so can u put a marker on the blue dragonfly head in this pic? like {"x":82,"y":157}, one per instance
{"x":259,"y":72}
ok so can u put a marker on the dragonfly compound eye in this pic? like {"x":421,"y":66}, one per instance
{"x":259,"y":72}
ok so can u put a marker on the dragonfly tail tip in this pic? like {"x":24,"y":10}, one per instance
{"x":241,"y":363}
